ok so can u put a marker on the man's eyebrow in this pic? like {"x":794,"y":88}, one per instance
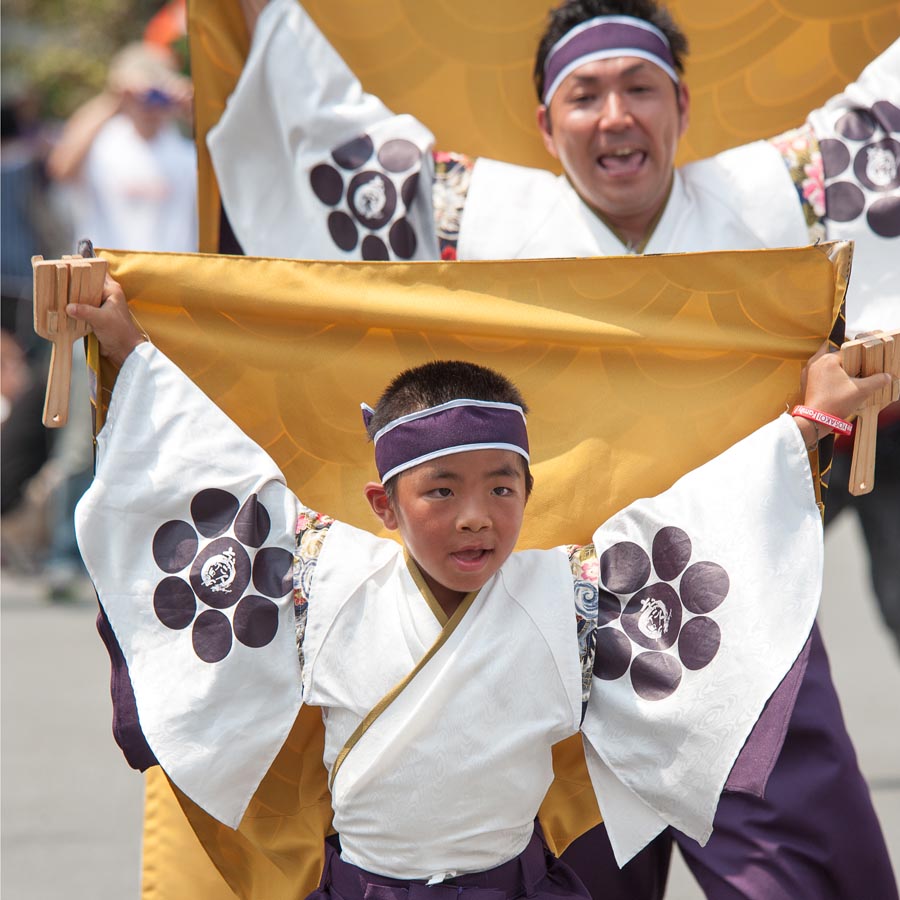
{"x":636,"y":67}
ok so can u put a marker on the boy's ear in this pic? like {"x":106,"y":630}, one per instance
{"x":381,"y":504}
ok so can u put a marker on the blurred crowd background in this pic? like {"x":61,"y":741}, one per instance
{"x":96,"y":142}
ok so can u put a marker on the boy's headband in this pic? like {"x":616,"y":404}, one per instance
{"x":606,"y":37}
{"x":452,"y":427}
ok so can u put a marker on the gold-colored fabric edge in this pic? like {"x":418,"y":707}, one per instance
{"x":426,"y":592}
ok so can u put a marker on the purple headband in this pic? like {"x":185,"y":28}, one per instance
{"x":452,"y":427}
{"x":606,"y":37}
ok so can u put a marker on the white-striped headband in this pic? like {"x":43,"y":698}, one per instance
{"x":606,"y":37}
{"x":453,"y":427}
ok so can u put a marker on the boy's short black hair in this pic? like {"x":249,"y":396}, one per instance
{"x":440,"y":382}
{"x":567,"y":15}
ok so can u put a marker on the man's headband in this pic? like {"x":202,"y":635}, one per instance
{"x":606,"y":37}
{"x":452,"y":427}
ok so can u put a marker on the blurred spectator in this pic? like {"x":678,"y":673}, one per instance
{"x":27,"y":224}
{"x":25,"y":230}
{"x":13,"y":373}
{"x":130,"y":176}
{"x":132,"y":171}
{"x":24,"y":448}
{"x":24,"y":445}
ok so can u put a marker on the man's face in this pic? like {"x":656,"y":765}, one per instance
{"x":614,"y":124}
{"x":150,"y":110}
{"x":459,"y":517}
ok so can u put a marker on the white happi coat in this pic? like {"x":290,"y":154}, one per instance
{"x":456,"y":759}
{"x":307,"y":190}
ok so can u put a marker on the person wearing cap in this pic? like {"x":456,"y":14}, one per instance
{"x":446,"y":667}
{"x":131,"y":171}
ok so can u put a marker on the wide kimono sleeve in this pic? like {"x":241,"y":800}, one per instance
{"x":309,"y":166}
{"x":858,"y":180}
{"x":706,"y":595}
{"x":188,"y":533}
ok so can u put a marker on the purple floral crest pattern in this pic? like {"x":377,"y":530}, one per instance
{"x":210,"y":562}
{"x":370,"y":190}
{"x":653,"y":613}
{"x":862,"y":168}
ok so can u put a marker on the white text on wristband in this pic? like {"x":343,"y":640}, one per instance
{"x":824,"y":418}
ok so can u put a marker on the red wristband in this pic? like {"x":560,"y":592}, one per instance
{"x":816,"y":415}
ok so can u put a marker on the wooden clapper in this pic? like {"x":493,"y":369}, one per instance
{"x":72,"y":279}
{"x":869,"y":355}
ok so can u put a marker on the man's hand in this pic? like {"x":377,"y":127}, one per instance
{"x":828,"y":388}
{"x":111,"y":321}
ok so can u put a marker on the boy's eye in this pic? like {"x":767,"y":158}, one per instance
{"x":502,"y":491}
{"x":440,"y":492}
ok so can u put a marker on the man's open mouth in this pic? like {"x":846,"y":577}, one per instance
{"x":624,"y":161}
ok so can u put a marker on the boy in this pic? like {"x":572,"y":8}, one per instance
{"x":446,"y":672}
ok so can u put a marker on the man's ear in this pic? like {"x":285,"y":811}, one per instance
{"x":546,"y":129}
{"x":381,"y":504}
{"x":684,"y":108}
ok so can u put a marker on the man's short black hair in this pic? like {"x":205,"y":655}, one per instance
{"x":440,"y":382}
{"x":567,"y":15}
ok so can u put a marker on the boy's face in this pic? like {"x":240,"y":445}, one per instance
{"x":459,"y":517}
{"x":614,"y":124}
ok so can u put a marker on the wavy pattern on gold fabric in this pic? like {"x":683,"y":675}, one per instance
{"x":463,"y":67}
{"x":636,"y":369}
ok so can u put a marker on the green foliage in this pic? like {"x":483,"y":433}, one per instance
{"x":59,"y":49}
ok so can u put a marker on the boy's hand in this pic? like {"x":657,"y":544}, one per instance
{"x":827,"y":387}
{"x":111,"y":321}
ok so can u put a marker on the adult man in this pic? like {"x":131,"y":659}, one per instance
{"x":132,"y":172}
{"x":612,"y":108}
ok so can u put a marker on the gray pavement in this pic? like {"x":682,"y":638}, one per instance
{"x":71,"y":808}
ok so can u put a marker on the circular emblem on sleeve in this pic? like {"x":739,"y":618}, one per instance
{"x":210,"y":564}
{"x":368,"y":190}
{"x":664,"y":626}
{"x":373,"y":199}
{"x":862,"y":170}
